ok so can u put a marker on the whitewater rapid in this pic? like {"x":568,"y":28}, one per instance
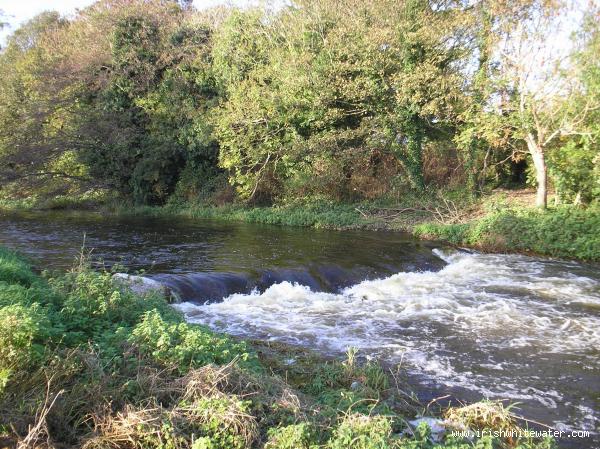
{"x":504,"y":326}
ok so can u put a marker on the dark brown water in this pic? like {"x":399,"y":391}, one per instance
{"x":472,"y":325}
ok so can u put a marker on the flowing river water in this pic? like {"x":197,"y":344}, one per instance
{"x":471,"y":325}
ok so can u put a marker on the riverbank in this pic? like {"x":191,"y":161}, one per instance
{"x":499,"y":222}
{"x":85,"y":362}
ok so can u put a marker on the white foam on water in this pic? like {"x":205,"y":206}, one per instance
{"x":434,"y":320}
{"x":501,"y":300}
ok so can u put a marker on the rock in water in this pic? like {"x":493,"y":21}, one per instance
{"x":142,"y":285}
{"x":437,"y":426}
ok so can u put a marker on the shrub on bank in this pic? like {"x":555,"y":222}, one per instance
{"x":363,"y":432}
{"x":569,"y":232}
{"x":184,"y":346}
{"x":43,"y":320}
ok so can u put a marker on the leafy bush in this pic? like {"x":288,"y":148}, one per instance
{"x":225,"y":421}
{"x":453,"y":233}
{"x":185,"y":345}
{"x":94,"y":308}
{"x":560,"y":232}
{"x":295,"y":436}
{"x":574,"y":169}
{"x":362,"y":432}
{"x":84,"y":307}
{"x":22,"y":333}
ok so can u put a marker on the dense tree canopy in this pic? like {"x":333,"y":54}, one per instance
{"x":318,"y":99}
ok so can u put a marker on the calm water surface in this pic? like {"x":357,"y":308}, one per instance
{"x":472,"y":325}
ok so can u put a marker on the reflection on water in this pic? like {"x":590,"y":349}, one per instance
{"x":220,"y":257}
{"x":473,"y":325}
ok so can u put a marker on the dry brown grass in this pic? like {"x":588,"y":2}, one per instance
{"x":208,"y":399}
{"x":101,"y":413}
{"x":153,"y":425}
{"x":482,"y":415}
{"x":132,"y":428}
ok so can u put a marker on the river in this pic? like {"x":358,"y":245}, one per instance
{"x":462,"y":323}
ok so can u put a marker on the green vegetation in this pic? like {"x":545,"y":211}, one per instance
{"x":84,"y":362}
{"x":559,"y":232}
{"x":311,"y":114}
{"x":155,"y":102}
{"x":382,"y":114}
{"x":326,"y":215}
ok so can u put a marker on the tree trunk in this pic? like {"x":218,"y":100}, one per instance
{"x":415,"y":153}
{"x":473,"y":177}
{"x":541,"y":172}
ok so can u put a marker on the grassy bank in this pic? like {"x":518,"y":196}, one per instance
{"x":84,"y":362}
{"x":566,"y":232}
{"x":321,"y":215}
{"x":91,"y":199}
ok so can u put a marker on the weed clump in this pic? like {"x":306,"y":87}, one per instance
{"x":294,"y":436}
{"x":481,"y":416}
{"x":15,"y":270}
{"x":359,"y":431}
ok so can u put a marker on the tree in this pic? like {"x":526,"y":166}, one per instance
{"x":470,"y":140}
{"x":531,"y":94}
{"x":30,"y":104}
{"x":575,"y":161}
{"x":429,"y":48}
{"x":122,"y":91}
{"x":322,"y":95}
{"x":318,"y":99}
{"x":145,"y":104}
